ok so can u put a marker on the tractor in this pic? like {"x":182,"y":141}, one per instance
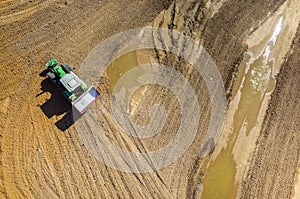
{"x":75,"y":89}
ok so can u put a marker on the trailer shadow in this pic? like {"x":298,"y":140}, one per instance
{"x":57,"y":105}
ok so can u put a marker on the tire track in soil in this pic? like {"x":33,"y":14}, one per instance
{"x":20,"y":14}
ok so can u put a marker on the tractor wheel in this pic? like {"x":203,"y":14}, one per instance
{"x":52,"y":76}
{"x":66,"y":67}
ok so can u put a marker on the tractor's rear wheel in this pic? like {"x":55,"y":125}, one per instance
{"x":52,"y":76}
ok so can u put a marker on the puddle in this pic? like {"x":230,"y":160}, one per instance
{"x":119,"y":67}
{"x":254,"y":81}
{"x":219,"y":179}
{"x":252,"y":93}
{"x":122,"y":67}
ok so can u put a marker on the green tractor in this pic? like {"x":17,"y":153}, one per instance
{"x":75,"y":89}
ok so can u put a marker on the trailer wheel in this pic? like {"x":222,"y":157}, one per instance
{"x":66,"y":67}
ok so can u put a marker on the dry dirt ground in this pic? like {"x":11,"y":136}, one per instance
{"x":43,"y":157}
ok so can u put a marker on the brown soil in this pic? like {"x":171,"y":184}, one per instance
{"x":41,"y":153}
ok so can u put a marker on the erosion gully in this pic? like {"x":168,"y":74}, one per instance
{"x":254,"y":81}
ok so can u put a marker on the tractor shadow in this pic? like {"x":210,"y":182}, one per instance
{"x":57,"y":105}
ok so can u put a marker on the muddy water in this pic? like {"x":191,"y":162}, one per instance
{"x":254,"y":81}
{"x":119,"y":67}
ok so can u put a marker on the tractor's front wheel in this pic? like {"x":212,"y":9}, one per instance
{"x":66,"y":68}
